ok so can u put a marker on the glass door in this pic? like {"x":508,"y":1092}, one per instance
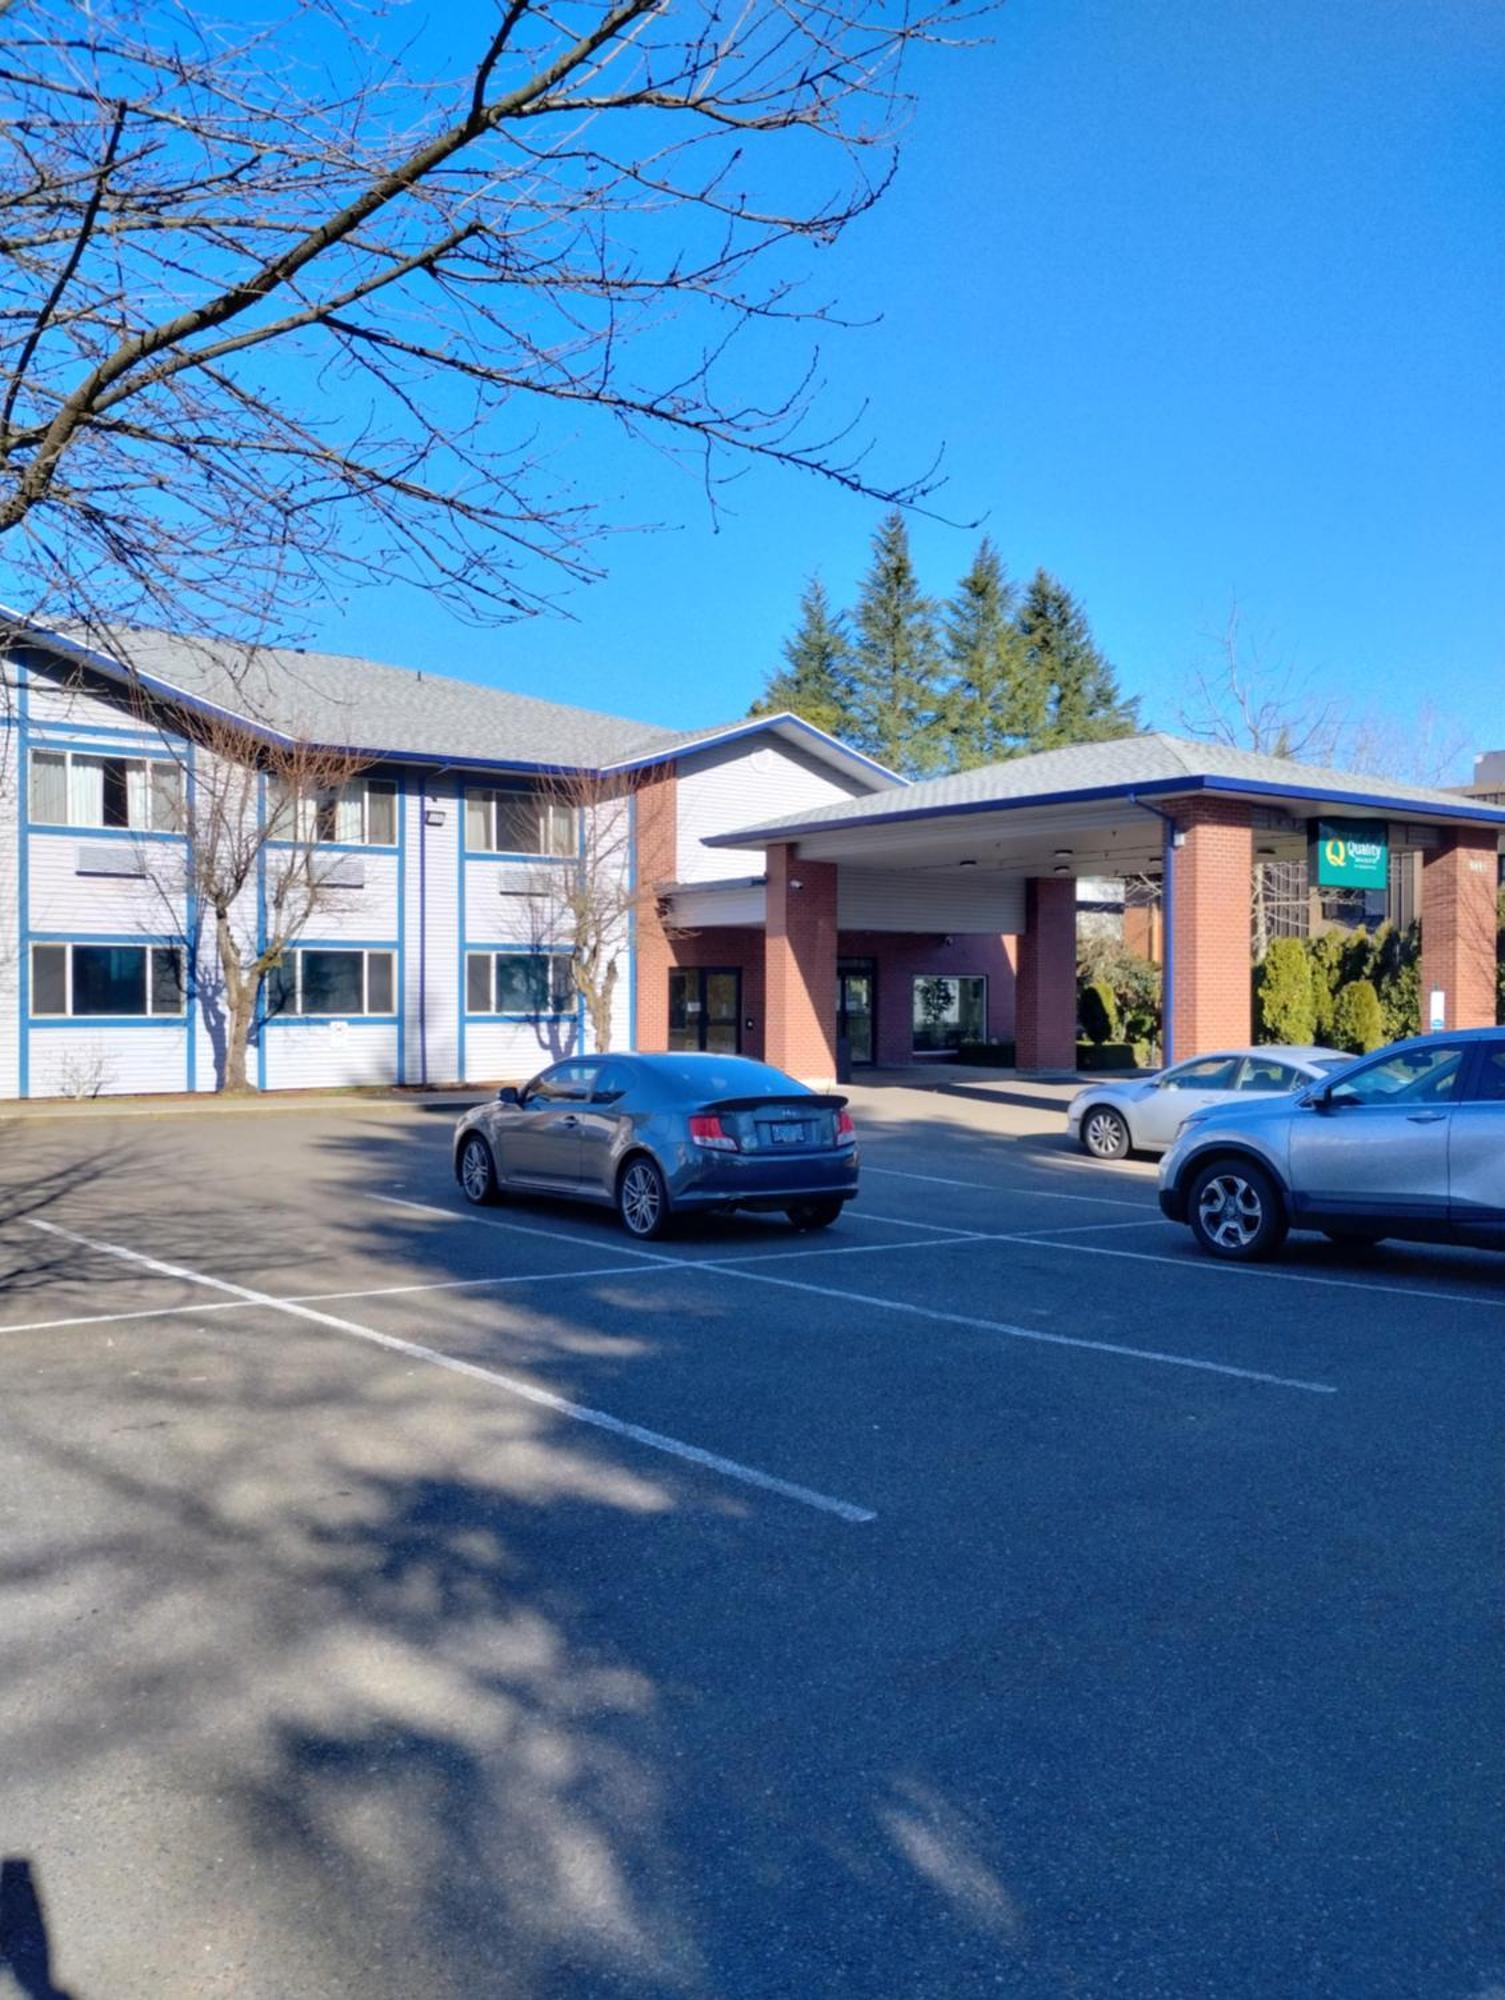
{"x":705,"y":1009}
{"x":856,"y":987}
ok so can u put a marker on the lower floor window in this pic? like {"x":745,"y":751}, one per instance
{"x":949,"y":1010}
{"x":518,"y":982}
{"x":320,"y":982}
{"x":87,"y":980}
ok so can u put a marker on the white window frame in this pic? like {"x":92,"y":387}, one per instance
{"x":491,"y":795}
{"x":308,"y":806}
{"x":489,"y":954}
{"x":138,"y":759}
{"x":365,"y":953}
{"x":69,"y":945}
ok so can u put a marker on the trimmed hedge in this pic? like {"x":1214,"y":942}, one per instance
{"x":1112,"y":1055}
{"x":986,"y":1055}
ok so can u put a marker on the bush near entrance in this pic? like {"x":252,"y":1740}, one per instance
{"x":1097,"y":1008}
{"x":1358,"y":1019}
{"x":1284,"y":1005}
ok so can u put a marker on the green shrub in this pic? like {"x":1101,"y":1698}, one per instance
{"x":1358,"y":1020}
{"x":1398,"y":980}
{"x":1284,"y":1007}
{"x":1098,"y":1007}
{"x":1133,"y":981}
{"x":1111,"y":1055}
{"x":1326,"y":955}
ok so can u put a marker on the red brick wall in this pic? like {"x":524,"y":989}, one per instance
{"x":728,"y":948}
{"x":1458,"y":883}
{"x":657,"y":859}
{"x":901,"y":959}
{"x":1212,"y":921}
{"x":1045,"y":1006}
{"x":800,"y":968}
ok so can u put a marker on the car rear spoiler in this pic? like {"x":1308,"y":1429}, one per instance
{"x":808,"y":1101}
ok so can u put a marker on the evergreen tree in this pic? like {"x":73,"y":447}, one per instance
{"x":1063,"y":673}
{"x":987,"y":715}
{"x":896,"y":705}
{"x":815,"y":680}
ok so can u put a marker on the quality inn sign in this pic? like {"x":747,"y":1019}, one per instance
{"x":1350,"y":853}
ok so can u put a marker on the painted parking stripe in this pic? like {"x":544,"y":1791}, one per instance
{"x":756,"y":1276}
{"x":990,"y":1187}
{"x":727,"y":1468}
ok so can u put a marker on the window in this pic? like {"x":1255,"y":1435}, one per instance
{"x":565,"y":1083}
{"x":317,"y":982}
{"x":1262,"y":1073}
{"x":1212,"y":1073}
{"x":518,"y":982}
{"x":72,"y":788}
{"x":1424,"y":1075}
{"x":92,"y":980}
{"x":517,"y":821}
{"x":949,"y":1011}
{"x":362,"y":813}
{"x":1488,"y":1086}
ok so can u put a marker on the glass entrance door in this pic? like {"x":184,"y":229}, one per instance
{"x":705,"y":1009}
{"x":856,"y":990}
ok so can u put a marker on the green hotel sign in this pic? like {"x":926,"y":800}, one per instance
{"x":1350,"y":853}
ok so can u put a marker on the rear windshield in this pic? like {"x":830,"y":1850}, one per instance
{"x":725,"y":1076}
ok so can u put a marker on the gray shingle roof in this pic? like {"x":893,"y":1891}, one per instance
{"x":333,"y":698}
{"x":1153,"y":762}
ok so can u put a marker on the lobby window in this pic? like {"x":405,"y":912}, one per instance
{"x":949,"y":1009}
{"x":87,"y":981}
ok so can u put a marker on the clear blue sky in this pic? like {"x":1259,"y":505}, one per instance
{"x":1202,"y":300}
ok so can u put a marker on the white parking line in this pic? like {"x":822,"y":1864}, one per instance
{"x":1028,"y":1332}
{"x":710,"y":1461}
{"x":989,"y":1187}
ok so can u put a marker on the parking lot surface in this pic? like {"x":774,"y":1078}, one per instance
{"x":989,"y":1595}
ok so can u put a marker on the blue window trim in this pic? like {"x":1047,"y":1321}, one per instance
{"x":157,"y":751}
{"x":462,"y":943}
{"x":400,"y":968}
{"x":145,"y":940}
{"x":23,"y":882}
{"x":153,"y":739}
{"x":388,"y":1020}
{"x":323,"y":1020}
{"x":191,"y":934}
{"x":530,"y":1020}
{"x":301,"y":943}
{"x":259,"y":1016}
{"x":50,"y":830}
{"x":173,"y":938}
{"x":339,"y":846}
{"x":509,"y":948}
{"x":513,"y":854}
{"x":88,"y":1022}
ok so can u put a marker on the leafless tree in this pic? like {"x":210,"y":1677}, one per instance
{"x":1241,"y":697}
{"x":290,"y":299}
{"x":253,"y":870}
{"x":588,"y":902}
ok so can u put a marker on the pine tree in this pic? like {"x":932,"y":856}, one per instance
{"x":987,"y":715}
{"x":1064,"y":673}
{"x":815,"y":681}
{"x":896,"y":707}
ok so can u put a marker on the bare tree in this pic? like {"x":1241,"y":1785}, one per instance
{"x":252,"y":872}
{"x":587,"y":901}
{"x":288,"y":299}
{"x":1241,"y":697}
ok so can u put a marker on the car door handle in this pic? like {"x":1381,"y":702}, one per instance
{"x":1424,"y":1117}
{"x":569,"y":1119}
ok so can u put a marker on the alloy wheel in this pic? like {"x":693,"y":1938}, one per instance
{"x":1105,"y":1134}
{"x":1231,"y":1211}
{"x":642,"y":1198}
{"x":475,"y":1171}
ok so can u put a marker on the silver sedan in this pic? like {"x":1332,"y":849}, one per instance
{"x":1143,"y":1114}
{"x":655,"y":1136}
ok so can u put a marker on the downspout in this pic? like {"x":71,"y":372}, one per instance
{"x":423,"y":934}
{"x":1173,"y":837}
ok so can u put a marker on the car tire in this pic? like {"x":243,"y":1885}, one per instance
{"x":1105,"y":1134}
{"x":1236,"y":1211}
{"x":642,"y":1198}
{"x":821,"y":1214}
{"x":475,"y":1170}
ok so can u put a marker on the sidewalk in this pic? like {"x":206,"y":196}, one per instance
{"x":198,"y":1104}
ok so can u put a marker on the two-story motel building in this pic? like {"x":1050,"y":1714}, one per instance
{"x":796,"y":899}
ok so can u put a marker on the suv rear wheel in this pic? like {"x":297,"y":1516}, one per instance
{"x":1236,"y":1212}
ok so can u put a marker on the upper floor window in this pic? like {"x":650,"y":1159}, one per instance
{"x":362,"y":813}
{"x":515,"y":820}
{"x":79,"y":788}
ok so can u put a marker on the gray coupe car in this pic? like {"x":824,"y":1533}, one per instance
{"x":1143,"y":1114}
{"x":661,"y":1135}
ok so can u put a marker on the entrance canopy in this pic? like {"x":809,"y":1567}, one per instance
{"x":1001,"y":849}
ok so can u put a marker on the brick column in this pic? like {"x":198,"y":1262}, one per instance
{"x":1458,"y":883}
{"x":1045,"y":996}
{"x":657,"y":861}
{"x":800,"y":958}
{"x":1210,"y":921}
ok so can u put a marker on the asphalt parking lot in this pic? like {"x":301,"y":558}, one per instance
{"x":990,"y":1595}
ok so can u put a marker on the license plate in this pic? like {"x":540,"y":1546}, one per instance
{"x":788,"y":1135}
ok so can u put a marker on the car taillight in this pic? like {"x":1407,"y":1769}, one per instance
{"x":706,"y":1130}
{"x":846,"y":1131}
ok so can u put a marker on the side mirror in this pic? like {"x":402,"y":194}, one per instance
{"x":1319,"y":1097}
{"x":509,"y":1094}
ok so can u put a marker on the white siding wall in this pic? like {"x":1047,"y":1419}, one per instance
{"x":80,"y":1061}
{"x":740,"y":784}
{"x":311,"y":1055}
{"x":431,"y":915}
{"x":59,"y":898}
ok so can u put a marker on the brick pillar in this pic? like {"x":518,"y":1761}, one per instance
{"x":1211,"y":923}
{"x":1045,"y":996}
{"x":657,"y":862}
{"x":800,"y":958}
{"x":1458,"y":882}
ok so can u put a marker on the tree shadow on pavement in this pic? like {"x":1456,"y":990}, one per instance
{"x":25,"y":1948}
